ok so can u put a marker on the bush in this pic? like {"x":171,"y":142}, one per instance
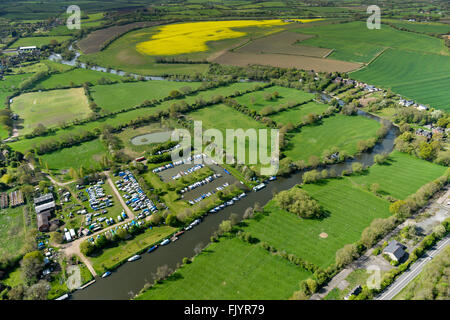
{"x":298,"y":201}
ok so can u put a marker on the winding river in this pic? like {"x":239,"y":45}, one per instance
{"x":129,"y":279}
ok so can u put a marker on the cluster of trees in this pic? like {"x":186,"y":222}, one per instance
{"x":88,"y":248}
{"x":30,"y":81}
{"x":433,"y":281}
{"x":419,"y":146}
{"x":5,"y":119}
{"x":175,"y":60}
{"x":298,"y":202}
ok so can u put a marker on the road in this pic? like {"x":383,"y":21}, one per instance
{"x":413,"y":271}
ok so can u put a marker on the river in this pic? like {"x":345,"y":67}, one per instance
{"x":130,"y":278}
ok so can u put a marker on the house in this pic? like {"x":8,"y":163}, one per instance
{"x":337,"y":80}
{"x":406,"y":103}
{"x":395,"y":250}
{"x":421,"y":107}
{"x":424,"y":133}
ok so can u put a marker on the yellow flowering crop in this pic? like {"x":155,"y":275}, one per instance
{"x":190,"y":37}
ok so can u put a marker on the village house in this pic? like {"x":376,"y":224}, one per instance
{"x":424,"y":133}
{"x":406,"y":103}
{"x":395,"y":250}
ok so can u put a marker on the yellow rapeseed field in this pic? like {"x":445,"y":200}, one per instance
{"x":190,"y":37}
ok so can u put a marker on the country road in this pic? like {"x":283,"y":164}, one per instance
{"x":413,"y":271}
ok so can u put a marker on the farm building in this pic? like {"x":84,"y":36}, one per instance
{"x":42,"y":221}
{"x":44,"y":207}
{"x":27,"y":49}
{"x":395,"y":250}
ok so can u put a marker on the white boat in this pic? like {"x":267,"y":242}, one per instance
{"x":106,"y":274}
{"x":134,"y":258}
{"x":166,"y":241}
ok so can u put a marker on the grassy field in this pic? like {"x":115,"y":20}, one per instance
{"x":231,"y":269}
{"x":87,"y":154}
{"x":12,"y":230}
{"x":350,"y":210}
{"x":220,"y":91}
{"x":341,"y":131}
{"x":8,"y":86}
{"x":125,"y":117}
{"x":401,"y":176}
{"x":430,"y":27}
{"x":38,"y":41}
{"x":213,"y":117}
{"x":113,"y":256}
{"x":257,"y":101}
{"x":420,"y":76}
{"x":75,"y":76}
{"x":127,"y":95}
{"x":50,"y":108}
{"x":354,"y":42}
{"x":296,"y":114}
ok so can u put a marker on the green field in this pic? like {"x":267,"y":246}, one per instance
{"x":336,"y":131}
{"x":231,"y":269}
{"x":120,"y":96}
{"x":401,"y":176}
{"x":214,"y":118}
{"x":125,"y":117}
{"x":223,"y":91}
{"x":420,"y":76}
{"x":12,"y":231}
{"x":38,"y":41}
{"x":296,"y":114}
{"x":75,"y":76}
{"x":350,"y":210}
{"x":8,"y":85}
{"x":429,"y":27}
{"x":113,"y":256}
{"x":87,"y":154}
{"x":354,"y":42}
{"x":50,"y":108}
{"x":256,"y":100}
